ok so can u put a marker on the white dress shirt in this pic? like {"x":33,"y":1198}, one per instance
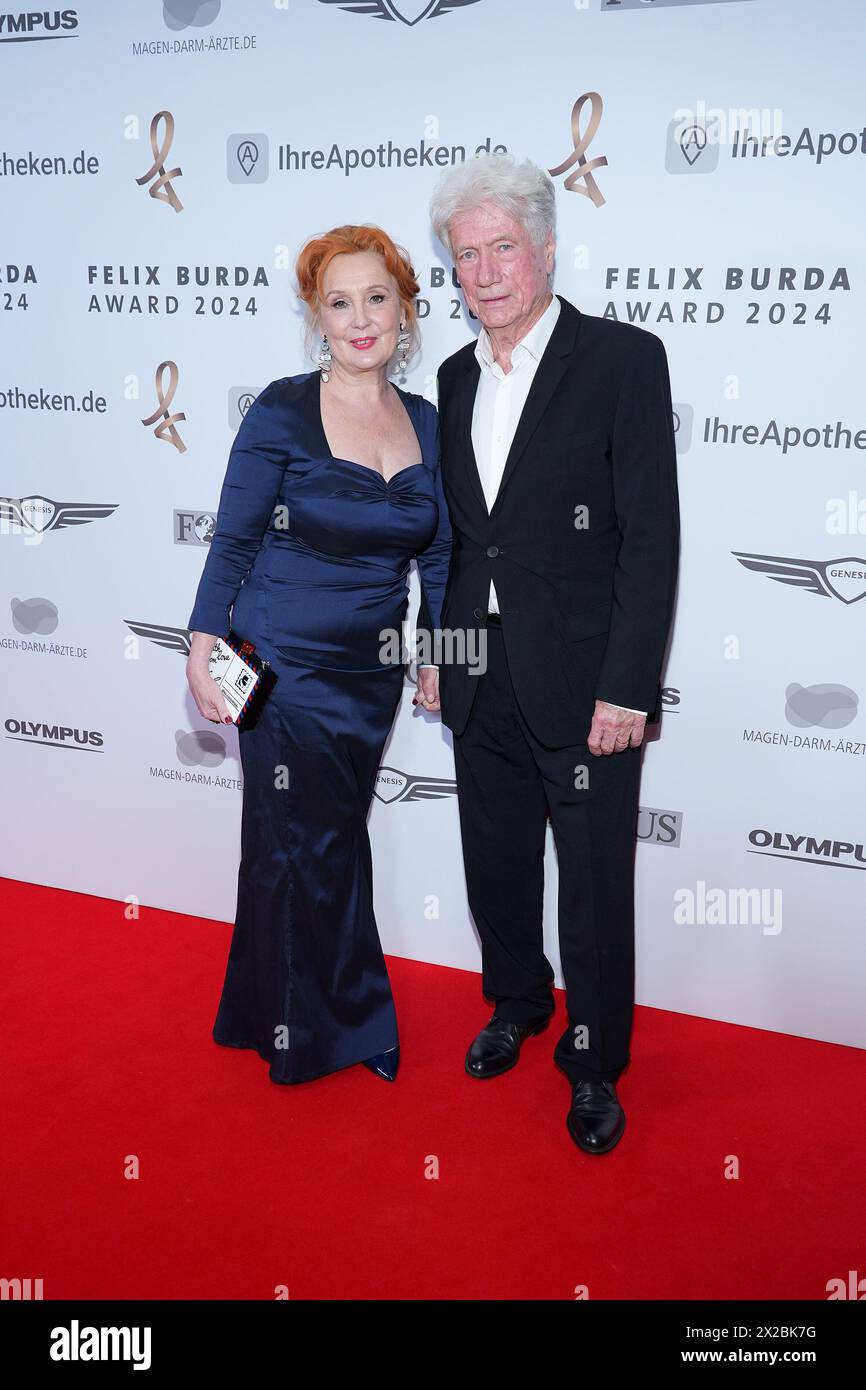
{"x":499,"y":402}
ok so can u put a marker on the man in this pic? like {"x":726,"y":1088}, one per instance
{"x":559,"y":469}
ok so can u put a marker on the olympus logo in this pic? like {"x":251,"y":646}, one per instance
{"x":53,"y":735}
{"x":781,"y":844}
{"x":31,"y":26}
{"x":657,"y":827}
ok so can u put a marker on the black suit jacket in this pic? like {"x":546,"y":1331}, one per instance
{"x":585,"y":608}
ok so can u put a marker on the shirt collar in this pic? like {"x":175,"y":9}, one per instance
{"x":532,"y":344}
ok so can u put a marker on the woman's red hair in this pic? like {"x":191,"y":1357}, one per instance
{"x":316,"y":255}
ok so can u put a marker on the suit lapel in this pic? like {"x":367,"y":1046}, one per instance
{"x":463,"y":408}
{"x":548,"y":374}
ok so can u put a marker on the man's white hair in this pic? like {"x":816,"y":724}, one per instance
{"x":521,"y":190}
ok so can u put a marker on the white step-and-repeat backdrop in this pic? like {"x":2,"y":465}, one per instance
{"x":161,"y":163}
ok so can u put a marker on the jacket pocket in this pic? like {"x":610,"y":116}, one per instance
{"x":574,"y":627}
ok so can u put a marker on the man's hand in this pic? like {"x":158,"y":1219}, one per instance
{"x":427,"y":694}
{"x":614,"y":729}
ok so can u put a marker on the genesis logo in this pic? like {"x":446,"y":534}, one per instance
{"x":392,"y":785}
{"x":407,"y":11}
{"x":39,"y":514}
{"x":174,"y":639}
{"x":843,"y":579}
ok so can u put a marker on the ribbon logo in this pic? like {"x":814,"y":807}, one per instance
{"x":581,"y":145}
{"x":166,"y":429}
{"x":162,"y":188}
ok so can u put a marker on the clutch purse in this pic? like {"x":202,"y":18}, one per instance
{"x":241,"y":674}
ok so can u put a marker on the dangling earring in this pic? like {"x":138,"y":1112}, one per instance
{"x":325,"y":359}
{"x":402,"y":347}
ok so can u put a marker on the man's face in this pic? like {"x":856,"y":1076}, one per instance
{"x":503,"y":275}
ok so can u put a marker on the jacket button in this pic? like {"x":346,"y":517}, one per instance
{"x":478,"y":612}
{"x":492,"y":551}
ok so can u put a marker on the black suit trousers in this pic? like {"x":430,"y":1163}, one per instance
{"x":508,"y":785}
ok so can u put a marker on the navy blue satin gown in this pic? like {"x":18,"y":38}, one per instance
{"x":309,"y":559}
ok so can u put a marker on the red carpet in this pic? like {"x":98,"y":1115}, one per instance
{"x":245,"y":1186}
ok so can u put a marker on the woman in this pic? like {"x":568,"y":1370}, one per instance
{"x":332,"y":487}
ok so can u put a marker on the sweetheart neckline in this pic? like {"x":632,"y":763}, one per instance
{"x":375,"y":472}
{"x":316,"y":381}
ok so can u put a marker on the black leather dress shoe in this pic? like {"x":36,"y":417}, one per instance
{"x":497,"y":1047}
{"x":596,"y":1119}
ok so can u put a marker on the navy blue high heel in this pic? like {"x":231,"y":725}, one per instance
{"x":385,"y":1063}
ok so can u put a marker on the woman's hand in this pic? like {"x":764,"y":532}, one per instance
{"x":427,"y":693}
{"x":205,"y":691}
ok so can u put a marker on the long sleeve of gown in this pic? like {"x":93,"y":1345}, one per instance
{"x":249,"y":491}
